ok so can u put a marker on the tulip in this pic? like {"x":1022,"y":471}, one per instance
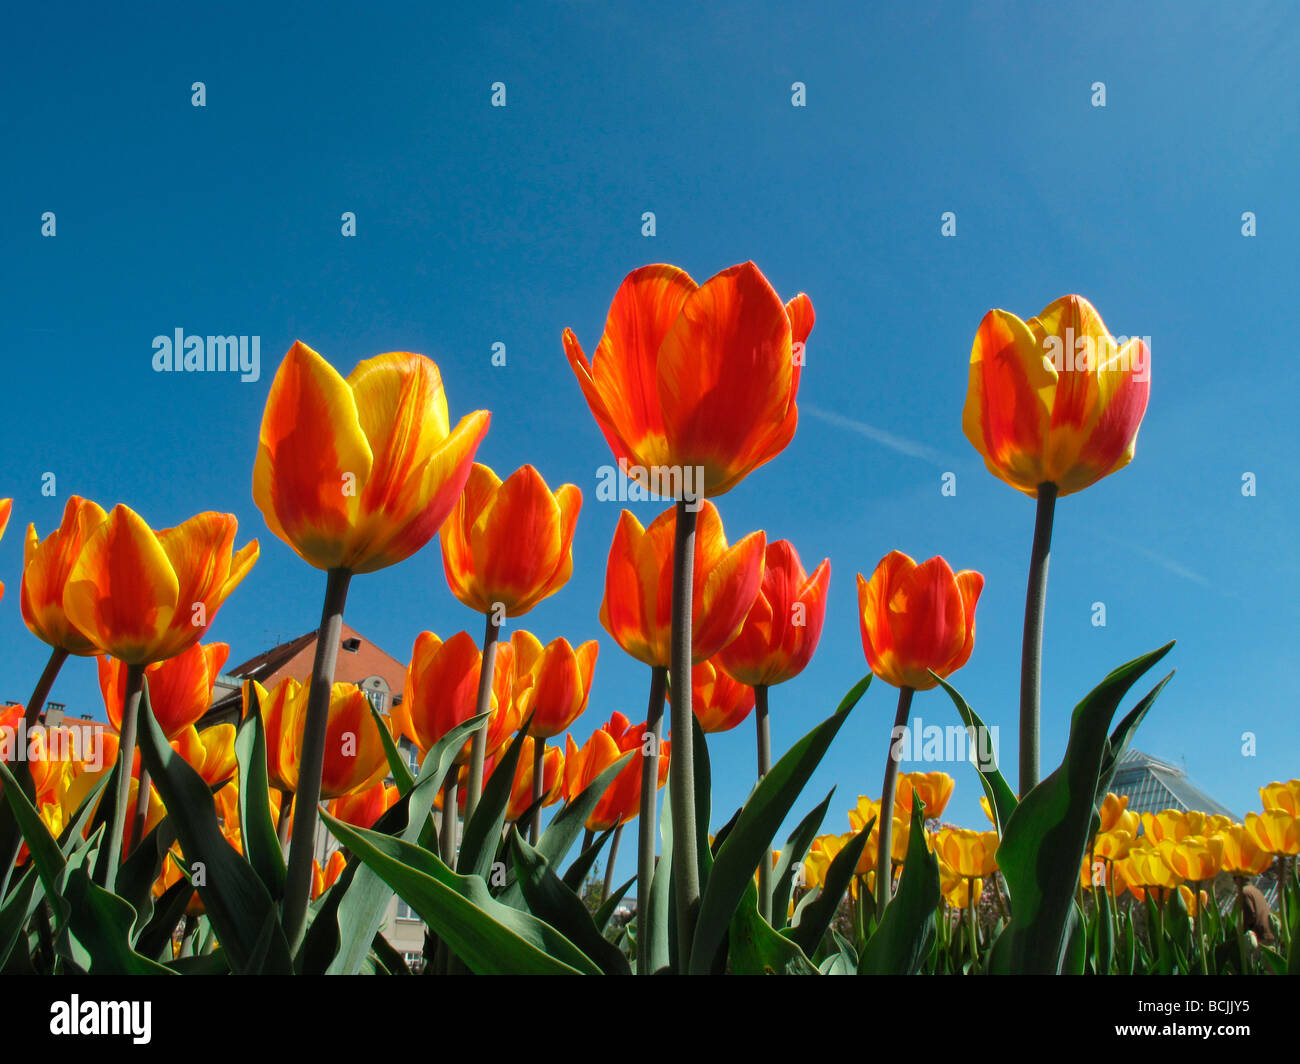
{"x":358,"y":473}
{"x":689,"y":376}
{"x":1172,"y":824}
{"x":914,"y":619}
{"x":1282,"y":797}
{"x":364,"y":807}
{"x":968,"y":853}
{"x":355,"y":475}
{"x":637,"y":607}
{"x":1113,"y":806}
{"x":507,"y":546}
{"x":1112,"y":845}
{"x":1277,"y":832}
{"x":211,"y":752}
{"x":1053,"y":405}
{"x":719,"y":702}
{"x":144,"y":597}
{"x":282,"y":741}
{"x":323,"y":879}
{"x":180,"y":688}
{"x":524,"y":793}
{"x":442,"y":681}
{"x":1242,"y":855}
{"x":961,"y":892}
{"x":1195,"y":902}
{"x":784,"y":623}
{"x":697,"y":383}
{"x":551,"y":683}
{"x":620,"y":802}
{"x":933,"y":788}
{"x":6,"y":508}
{"x":47,"y":565}
{"x":1193,"y":857}
{"x":1054,"y":400}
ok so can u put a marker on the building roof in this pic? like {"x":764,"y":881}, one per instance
{"x":359,"y":661}
{"x":1153,"y":785}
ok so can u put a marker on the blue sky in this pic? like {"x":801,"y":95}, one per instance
{"x":478,"y":224}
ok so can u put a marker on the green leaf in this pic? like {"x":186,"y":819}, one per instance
{"x":1045,"y":838}
{"x":256,"y":826}
{"x":102,"y":923}
{"x":576,"y":873}
{"x":45,"y":852}
{"x":482,"y":839}
{"x":364,"y":898}
{"x":234,"y":899}
{"x":552,"y":900}
{"x":755,"y":948}
{"x":654,"y":916}
{"x":1002,"y":799}
{"x":1104,"y":933}
{"x":816,"y":917}
{"x":17,"y":910}
{"x":170,"y":910}
{"x":610,"y":905}
{"x":791,"y":860}
{"x":904,"y":936}
{"x":751,"y":839}
{"x":397,"y":763}
{"x":567,"y":825}
{"x":491,"y":938}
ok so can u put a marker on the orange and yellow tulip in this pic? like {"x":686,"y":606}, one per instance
{"x":1282,"y":797}
{"x":784,"y":624}
{"x":211,"y":752}
{"x":934,"y":788}
{"x":637,"y":607}
{"x":1242,"y":855}
{"x":144,"y":597}
{"x":362,"y":808}
{"x":282,"y":747}
{"x":621,"y":800}
{"x":1275,"y":831}
{"x":693,"y":376}
{"x":47,"y":564}
{"x":442,"y":690}
{"x":915,"y":618}
{"x":966,"y":852}
{"x":551,"y":683}
{"x":180,"y":688}
{"x":324,"y":878}
{"x":1054,"y":399}
{"x":1193,"y":857}
{"x":6,"y":508}
{"x":719,"y":702}
{"x":509,"y":545}
{"x":358,"y":473}
{"x":521,"y":792}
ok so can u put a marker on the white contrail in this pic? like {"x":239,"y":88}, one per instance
{"x":886,"y":439}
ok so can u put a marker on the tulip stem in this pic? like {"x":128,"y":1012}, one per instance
{"x":971,"y":920}
{"x":1031,"y":655}
{"x":447,"y":836}
{"x":286,"y":818}
{"x":608,"y":884}
{"x":884,"y":867}
{"x":478,"y":745}
{"x":647,"y":826}
{"x":11,"y":839}
{"x":764,"y":730}
{"x":681,"y":766}
{"x":141,"y":816}
{"x":539,"y":774}
{"x":107,"y":872}
{"x":297,"y":890}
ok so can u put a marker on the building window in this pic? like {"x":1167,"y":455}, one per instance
{"x":414,"y":961}
{"x":378,"y":699}
{"x":405,"y":912}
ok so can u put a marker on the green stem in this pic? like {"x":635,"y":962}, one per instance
{"x":107,"y":871}
{"x":447,"y":828}
{"x":311,"y":763}
{"x":681,"y":766}
{"x":1281,"y":900}
{"x":141,"y":815}
{"x":478,"y":745}
{"x":884,"y":868}
{"x":608,"y":884}
{"x":1031,"y":659}
{"x":539,"y":775}
{"x":286,"y":817}
{"x":974,"y":928}
{"x":1240,"y":881}
{"x":764,"y":732}
{"x":647,"y":826}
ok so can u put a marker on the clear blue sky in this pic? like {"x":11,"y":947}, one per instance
{"x":477,"y":225}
